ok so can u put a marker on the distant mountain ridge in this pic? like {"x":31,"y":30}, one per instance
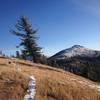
{"x":76,"y":50}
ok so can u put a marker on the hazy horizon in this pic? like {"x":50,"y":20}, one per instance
{"x":60,"y":23}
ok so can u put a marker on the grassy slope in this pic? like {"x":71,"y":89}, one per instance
{"x":51,"y":83}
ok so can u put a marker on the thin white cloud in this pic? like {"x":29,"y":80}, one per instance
{"x":93,"y":6}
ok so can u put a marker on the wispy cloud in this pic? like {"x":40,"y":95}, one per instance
{"x":92,"y":6}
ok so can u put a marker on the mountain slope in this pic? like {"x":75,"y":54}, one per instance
{"x":76,"y":50}
{"x":78,"y":60}
{"x":51,"y":83}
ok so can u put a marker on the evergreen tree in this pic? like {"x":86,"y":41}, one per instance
{"x":28,"y":38}
{"x":18,"y":54}
{"x":1,"y":52}
{"x":44,"y":59}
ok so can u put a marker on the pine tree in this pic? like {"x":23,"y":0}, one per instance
{"x":18,"y":54}
{"x":1,"y":52}
{"x":28,"y":39}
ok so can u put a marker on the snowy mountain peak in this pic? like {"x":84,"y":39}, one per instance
{"x":77,"y":46}
{"x":76,"y":50}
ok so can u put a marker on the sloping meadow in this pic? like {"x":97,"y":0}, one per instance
{"x":51,"y":83}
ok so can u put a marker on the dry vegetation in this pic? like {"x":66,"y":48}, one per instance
{"x":51,"y":83}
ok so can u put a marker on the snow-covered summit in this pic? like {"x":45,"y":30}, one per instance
{"x":76,"y":50}
{"x":77,"y":46}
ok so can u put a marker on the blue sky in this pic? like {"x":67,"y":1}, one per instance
{"x":60,"y":23}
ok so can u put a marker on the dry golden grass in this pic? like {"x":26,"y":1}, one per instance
{"x":51,"y":83}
